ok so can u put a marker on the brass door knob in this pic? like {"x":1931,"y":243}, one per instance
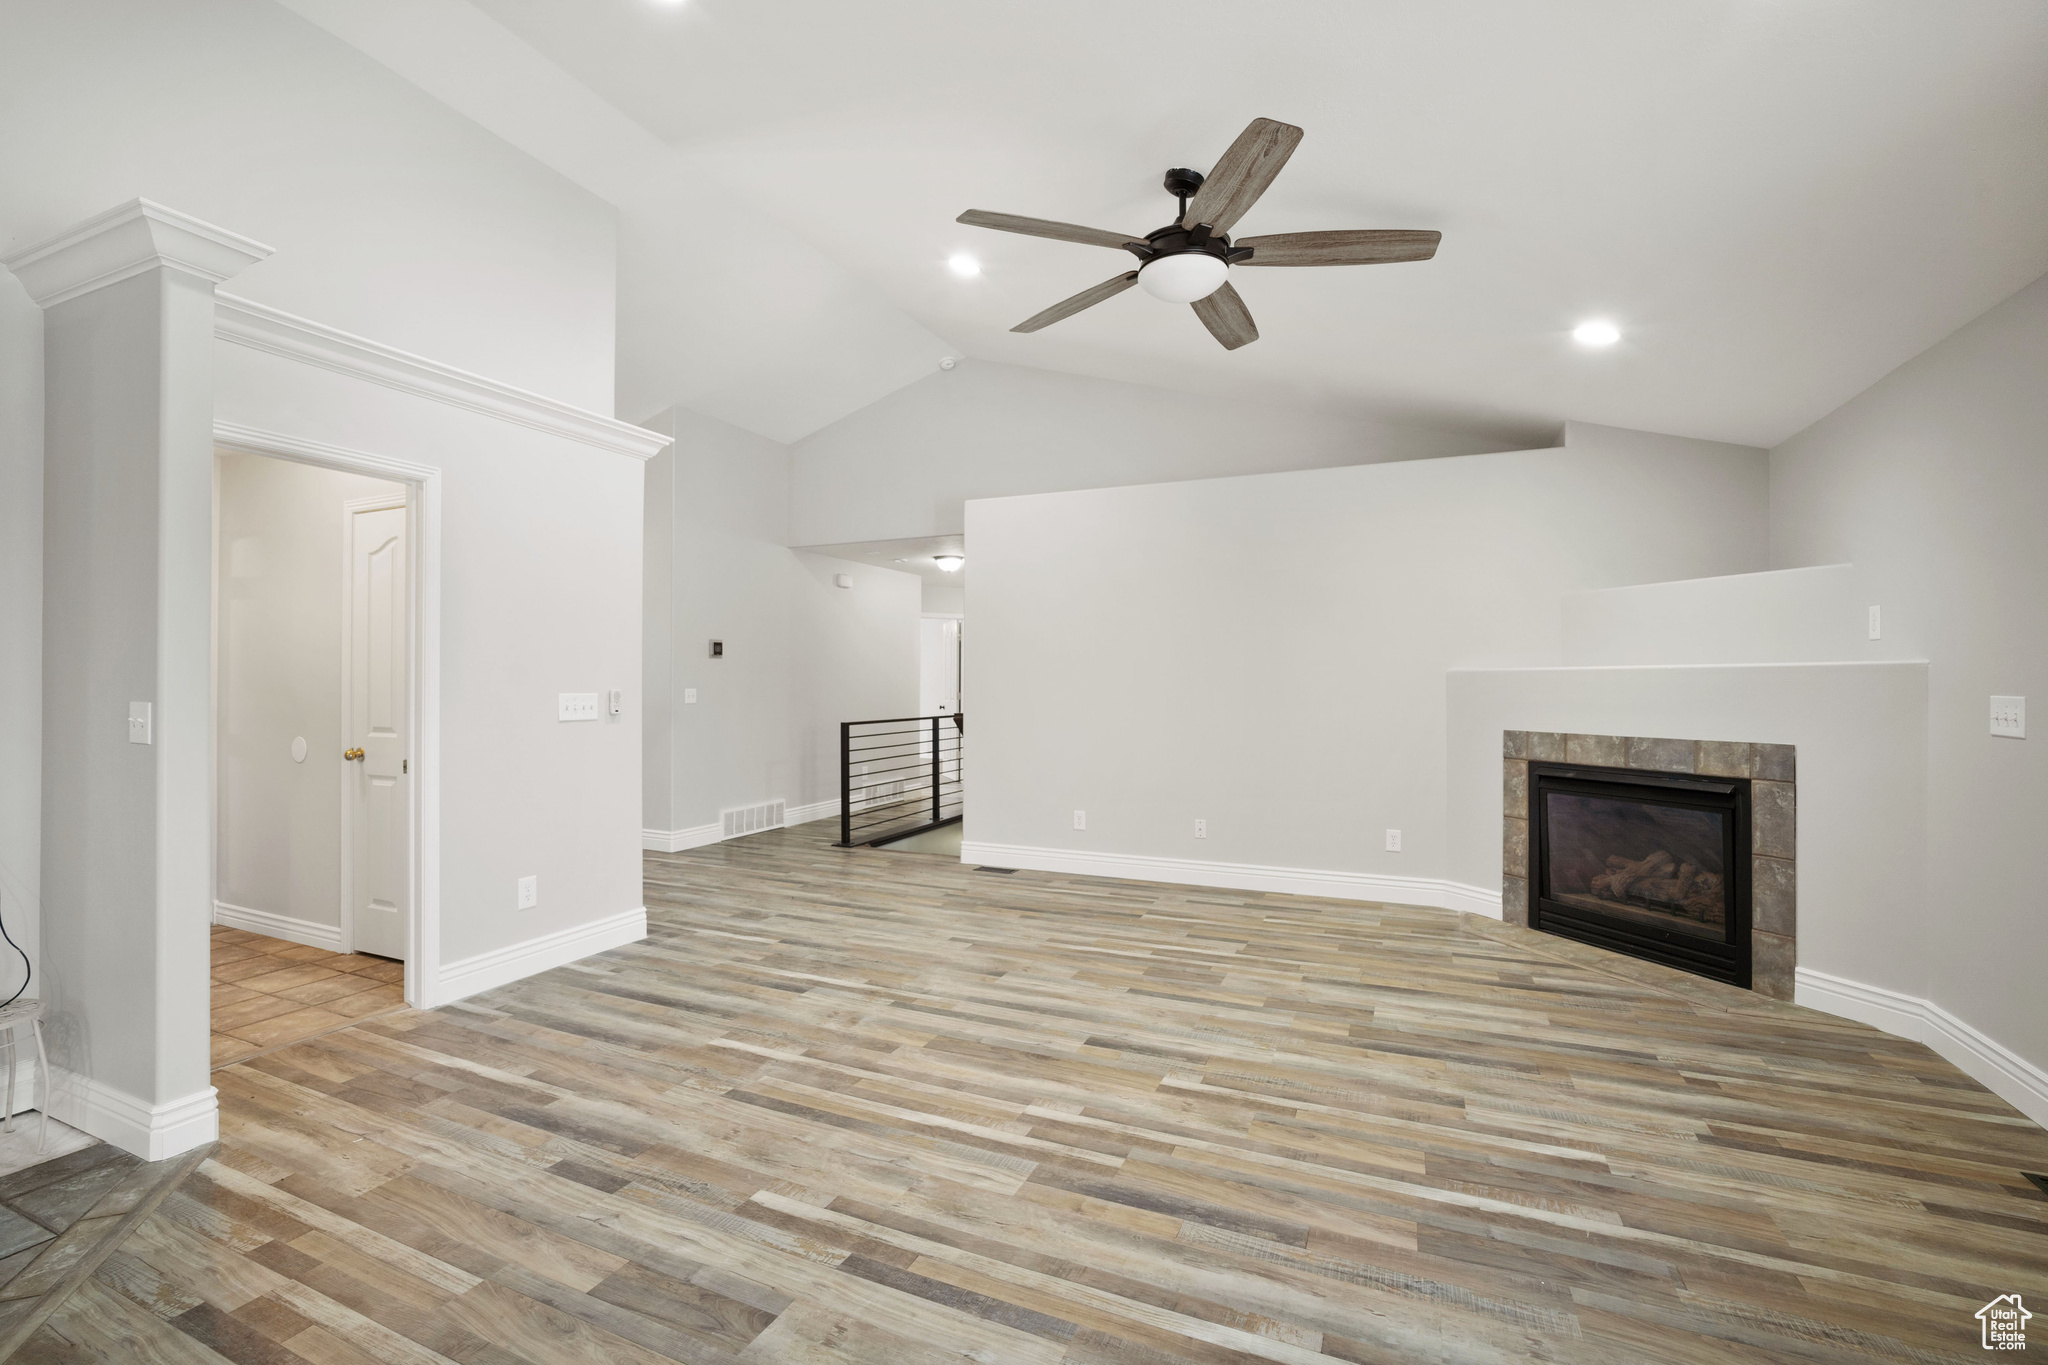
{"x":352,"y":754}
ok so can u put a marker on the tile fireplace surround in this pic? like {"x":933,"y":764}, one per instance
{"x":1772,"y":770}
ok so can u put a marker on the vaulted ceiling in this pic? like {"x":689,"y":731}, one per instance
{"x":1776,"y":203}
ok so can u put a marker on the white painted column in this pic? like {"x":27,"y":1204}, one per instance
{"x":127,"y":303}
{"x":659,"y":698}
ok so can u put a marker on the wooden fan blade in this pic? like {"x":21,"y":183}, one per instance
{"x":1375,"y":246}
{"x":1242,"y":174}
{"x":1087,"y":298}
{"x":1226,"y":317}
{"x":1045,"y":227}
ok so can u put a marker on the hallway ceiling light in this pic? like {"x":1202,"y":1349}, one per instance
{"x":949,"y":562}
{"x":963,"y":265}
{"x":1596,"y":334}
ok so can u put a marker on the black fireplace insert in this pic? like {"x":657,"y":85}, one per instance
{"x":1655,"y":865}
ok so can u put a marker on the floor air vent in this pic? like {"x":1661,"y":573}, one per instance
{"x":751,"y":819}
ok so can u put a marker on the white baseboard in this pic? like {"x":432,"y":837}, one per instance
{"x":676,"y":840}
{"x":501,"y":966}
{"x":697,"y":836}
{"x":274,"y":925}
{"x":1989,"y":1062}
{"x":1296,"y":881}
{"x":817,"y":810}
{"x":150,"y":1131}
{"x":28,"y":1080}
{"x":1473,"y":900}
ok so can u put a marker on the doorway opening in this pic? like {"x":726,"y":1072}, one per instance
{"x":314,"y":763}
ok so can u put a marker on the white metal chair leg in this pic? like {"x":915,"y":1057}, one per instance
{"x":42,"y":1065}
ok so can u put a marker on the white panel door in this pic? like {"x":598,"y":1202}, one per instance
{"x":381,"y":781}
{"x":938,"y":666}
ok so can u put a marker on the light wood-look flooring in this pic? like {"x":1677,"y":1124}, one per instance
{"x":845,"y":1106}
{"x":268,"y":992}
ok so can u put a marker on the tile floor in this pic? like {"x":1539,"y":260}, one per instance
{"x":18,"y":1148}
{"x":268,"y":992}
{"x":39,"y":1203}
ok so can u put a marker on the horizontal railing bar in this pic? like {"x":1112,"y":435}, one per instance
{"x":902,"y":720}
{"x":947,"y":738}
{"x":881,"y":754}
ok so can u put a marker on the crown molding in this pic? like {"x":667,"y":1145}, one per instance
{"x":245,"y":322}
{"x":124,"y":242}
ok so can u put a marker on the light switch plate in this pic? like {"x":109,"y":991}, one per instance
{"x":529,"y":892}
{"x":689,"y":696}
{"x":1393,"y":841}
{"x":139,"y":723}
{"x":2009,"y":717}
{"x":576,"y":706}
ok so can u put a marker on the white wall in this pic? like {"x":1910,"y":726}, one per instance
{"x":1782,"y":616}
{"x":801,"y":654}
{"x":1934,"y":483}
{"x":905,"y":465}
{"x":393,"y":216}
{"x":1268,"y":652}
{"x":278,"y":624}
{"x":540,"y":594}
{"x":21,"y":624}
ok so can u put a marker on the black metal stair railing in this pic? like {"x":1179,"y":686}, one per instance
{"x":899,"y":777}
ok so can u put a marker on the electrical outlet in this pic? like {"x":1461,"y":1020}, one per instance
{"x":138,"y":722}
{"x":2009,"y":717}
{"x":529,"y":892}
{"x":1080,"y":819}
{"x":1876,"y":624}
{"x":689,"y":696}
{"x":1393,"y":841}
{"x":1201,"y":829}
{"x":576,"y":706}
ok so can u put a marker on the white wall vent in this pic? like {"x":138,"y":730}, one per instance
{"x":751,"y":819}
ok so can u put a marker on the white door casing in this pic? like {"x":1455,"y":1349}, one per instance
{"x":376,"y":715}
{"x":424,"y":492}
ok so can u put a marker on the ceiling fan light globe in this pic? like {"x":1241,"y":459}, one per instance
{"x":1183,"y":278}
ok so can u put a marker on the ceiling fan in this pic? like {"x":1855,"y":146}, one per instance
{"x":1189,"y":260}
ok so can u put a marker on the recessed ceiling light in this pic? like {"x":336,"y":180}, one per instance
{"x":1596,"y":334}
{"x":964,"y":265}
{"x":949,"y":562}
